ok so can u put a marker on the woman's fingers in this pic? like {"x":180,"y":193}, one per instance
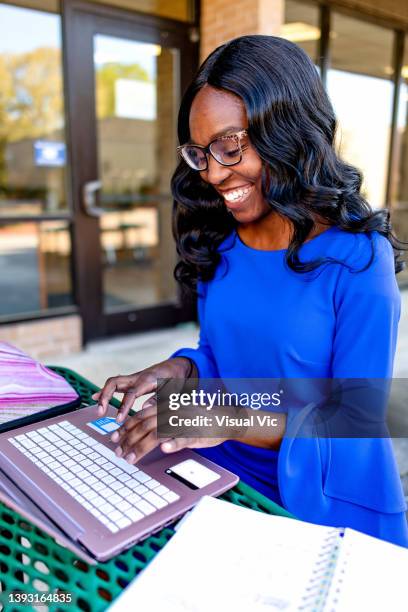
{"x":119,"y":435}
{"x":176,"y":444}
{"x":149,"y":403}
{"x":126,"y":405}
{"x":144,"y":446}
{"x":134,"y":441}
{"x":111,"y":386}
{"x":141,"y":383}
{"x":133,"y":386}
{"x":138,"y":435}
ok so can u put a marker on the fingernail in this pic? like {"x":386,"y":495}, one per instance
{"x":119,"y":417}
{"x":115,"y":437}
{"x":100,"y":409}
{"x":167,"y":446}
{"x":118,"y":452}
{"x":131,"y":458}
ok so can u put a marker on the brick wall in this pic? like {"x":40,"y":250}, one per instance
{"x":166,"y":159}
{"x":43,"y":339}
{"x":222,"y":20}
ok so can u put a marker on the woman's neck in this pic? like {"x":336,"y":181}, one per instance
{"x":272,"y":232}
{"x":269,"y":233}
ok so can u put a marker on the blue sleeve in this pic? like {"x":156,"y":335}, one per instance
{"x":367,"y":310}
{"x":353,"y":482}
{"x":367,"y":307}
{"x":202,"y":355}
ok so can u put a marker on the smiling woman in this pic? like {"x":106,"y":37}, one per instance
{"x":286,"y":212}
{"x":239,"y":183}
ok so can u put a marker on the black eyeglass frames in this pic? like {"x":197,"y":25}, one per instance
{"x":226,"y":150}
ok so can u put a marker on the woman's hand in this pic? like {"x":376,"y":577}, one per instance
{"x":141,"y":383}
{"x":138,"y":436}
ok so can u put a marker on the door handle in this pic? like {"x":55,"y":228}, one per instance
{"x":89,"y":191}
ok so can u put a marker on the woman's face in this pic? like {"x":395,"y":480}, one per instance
{"x":215,"y":112}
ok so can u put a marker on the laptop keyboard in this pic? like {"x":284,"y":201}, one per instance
{"x":113,"y":491}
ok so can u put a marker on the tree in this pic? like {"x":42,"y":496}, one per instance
{"x":32,"y":100}
{"x":31,"y":97}
{"x":106,"y":76}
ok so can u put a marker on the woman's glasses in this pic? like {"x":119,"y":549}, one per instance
{"x":226,"y":150}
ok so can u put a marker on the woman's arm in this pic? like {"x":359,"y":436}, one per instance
{"x":268,"y":440}
{"x":202,"y":357}
{"x":204,"y":366}
{"x":368,"y":307}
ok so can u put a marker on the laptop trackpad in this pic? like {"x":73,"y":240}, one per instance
{"x":192,"y":473}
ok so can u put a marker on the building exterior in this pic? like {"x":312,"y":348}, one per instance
{"x":89,"y":93}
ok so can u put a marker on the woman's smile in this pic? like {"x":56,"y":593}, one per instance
{"x":236,"y":196}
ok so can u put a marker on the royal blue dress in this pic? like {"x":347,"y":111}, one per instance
{"x":259,"y":319}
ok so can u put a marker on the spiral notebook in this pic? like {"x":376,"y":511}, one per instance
{"x":225,"y":557}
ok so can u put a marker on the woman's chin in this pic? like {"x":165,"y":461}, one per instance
{"x":249,"y":211}
{"x":244,"y":214}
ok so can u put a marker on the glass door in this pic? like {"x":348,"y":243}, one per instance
{"x":126,"y":73}
{"x":135,"y":108}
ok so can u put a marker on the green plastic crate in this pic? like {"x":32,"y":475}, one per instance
{"x":32,"y":562}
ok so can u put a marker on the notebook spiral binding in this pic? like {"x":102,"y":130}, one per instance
{"x":322,"y":573}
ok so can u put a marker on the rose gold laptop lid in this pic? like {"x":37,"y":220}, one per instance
{"x":12,"y":497}
{"x":186,"y":473}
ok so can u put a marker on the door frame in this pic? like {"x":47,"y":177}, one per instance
{"x":81,"y":21}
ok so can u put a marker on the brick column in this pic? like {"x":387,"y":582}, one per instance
{"x":166,"y":142}
{"x":222,"y":20}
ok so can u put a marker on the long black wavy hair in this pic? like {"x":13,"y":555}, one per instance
{"x":292,"y":126}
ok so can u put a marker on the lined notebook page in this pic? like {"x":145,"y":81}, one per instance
{"x":225,"y":557}
{"x":370,"y":575}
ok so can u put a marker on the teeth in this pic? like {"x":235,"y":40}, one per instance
{"x":231,"y":196}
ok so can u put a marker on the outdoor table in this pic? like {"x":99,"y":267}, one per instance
{"x":33,"y":562}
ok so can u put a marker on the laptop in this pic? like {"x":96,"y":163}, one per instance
{"x":63,"y":475}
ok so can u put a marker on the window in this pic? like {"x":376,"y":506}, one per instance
{"x":399,"y":182}
{"x":35,"y":256}
{"x":361,"y":90}
{"x":34,"y":267}
{"x":301,"y":26}
{"x":32,"y":142}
